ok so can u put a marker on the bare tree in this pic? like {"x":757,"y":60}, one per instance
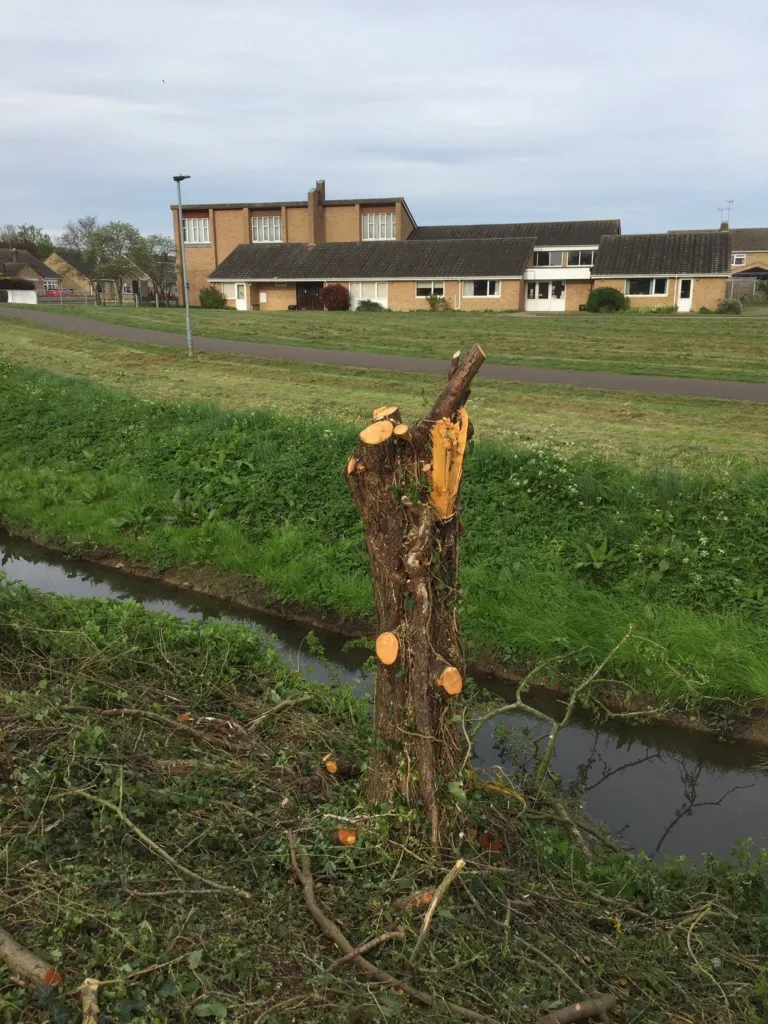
{"x":405,"y":483}
{"x":155,"y":256}
{"x":78,"y":234}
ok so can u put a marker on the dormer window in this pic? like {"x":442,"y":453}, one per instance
{"x":378,"y":227}
{"x":581,"y":257}
{"x":550,"y":258}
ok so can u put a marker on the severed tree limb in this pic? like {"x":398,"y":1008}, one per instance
{"x":26,"y":964}
{"x":583,"y":1010}
{"x":455,"y":393}
{"x":440,"y":891}
{"x":332,"y":931}
{"x":365,"y":947}
{"x":89,"y":995}
{"x":151,"y":844}
{"x":276,"y":709}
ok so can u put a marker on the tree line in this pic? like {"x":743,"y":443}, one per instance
{"x":115,"y":251}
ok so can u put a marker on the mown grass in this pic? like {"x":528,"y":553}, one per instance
{"x":92,"y":751}
{"x":728,"y":348}
{"x":561,"y":553}
{"x":633,"y":429}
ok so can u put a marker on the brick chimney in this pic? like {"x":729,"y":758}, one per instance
{"x":724,"y":225}
{"x":315,"y":212}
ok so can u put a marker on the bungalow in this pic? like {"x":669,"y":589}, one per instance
{"x":687,"y":269}
{"x":472,"y":274}
{"x":20,"y":263}
{"x":749,"y":252}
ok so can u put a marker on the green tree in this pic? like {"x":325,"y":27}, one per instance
{"x":113,"y":249}
{"x":26,"y":236}
{"x":155,"y":256}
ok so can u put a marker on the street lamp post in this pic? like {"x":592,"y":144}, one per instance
{"x":178,"y":178}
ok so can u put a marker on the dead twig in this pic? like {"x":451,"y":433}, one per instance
{"x":332,"y":931}
{"x":25,"y":964}
{"x":365,"y":947}
{"x":440,"y":891}
{"x":584,"y":1010}
{"x":277,"y":708}
{"x":213,"y":740}
{"x":89,"y":994}
{"x":151,"y":844}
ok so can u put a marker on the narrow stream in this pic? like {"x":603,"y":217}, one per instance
{"x":657,"y":788}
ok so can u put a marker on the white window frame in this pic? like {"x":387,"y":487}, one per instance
{"x":127,"y":287}
{"x":468,"y":289}
{"x":652,"y":294}
{"x":228,"y":290}
{"x":580,"y":252}
{"x":378,"y":227}
{"x":380,"y":292}
{"x":738,"y":259}
{"x":267,"y":228}
{"x":538,"y":253}
{"x":52,"y":284}
{"x":196,"y":231}
{"x":433,"y":286}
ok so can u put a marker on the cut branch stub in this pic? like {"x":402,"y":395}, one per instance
{"x":377,"y":432}
{"x":384,"y":412}
{"x":451,"y":681}
{"x":402,"y":430}
{"x":387,"y":648}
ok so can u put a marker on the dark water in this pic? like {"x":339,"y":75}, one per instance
{"x":657,"y":788}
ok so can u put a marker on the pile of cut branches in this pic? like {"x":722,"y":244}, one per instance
{"x":181,"y":825}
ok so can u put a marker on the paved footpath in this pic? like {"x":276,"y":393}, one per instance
{"x":688,"y":386}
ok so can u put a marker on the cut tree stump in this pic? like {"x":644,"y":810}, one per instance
{"x":387,"y":648}
{"x":408,"y":498}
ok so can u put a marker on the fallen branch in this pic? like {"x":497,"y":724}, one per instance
{"x":277,"y":708}
{"x":26,"y":964}
{"x":440,"y":891}
{"x":365,"y":947}
{"x":584,"y":1010}
{"x":152,"y":845}
{"x":215,"y":740}
{"x":89,"y":994}
{"x":332,"y":931}
{"x":600,"y":836}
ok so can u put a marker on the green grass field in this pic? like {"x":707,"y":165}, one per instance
{"x":728,"y":348}
{"x":632,"y":429}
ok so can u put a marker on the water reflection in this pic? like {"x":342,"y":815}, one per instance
{"x":655,"y":787}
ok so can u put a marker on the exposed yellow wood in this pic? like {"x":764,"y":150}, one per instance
{"x":451,"y":681}
{"x":387,"y":648}
{"x":383,"y":411}
{"x":449,"y":442}
{"x":377,"y":433}
{"x":351,"y":464}
{"x":402,"y":430}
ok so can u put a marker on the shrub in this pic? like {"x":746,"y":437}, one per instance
{"x":370,"y":306}
{"x":729,"y":306}
{"x":438,"y":304}
{"x":212,"y":298}
{"x":705,"y":309}
{"x":606,"y":300}
{"x":335,"y":296}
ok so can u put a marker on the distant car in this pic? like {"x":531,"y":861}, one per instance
{"x":59,"y":292}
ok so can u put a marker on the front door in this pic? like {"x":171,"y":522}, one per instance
{"x":308,"y":295}
{"x":545,"y":297}
{"x":685,"y":298}
{"x":241,"y":302}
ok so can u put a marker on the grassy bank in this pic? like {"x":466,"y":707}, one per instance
{"x":151,"y":852}
{"x":560,"y":554}
{"x":729,"y":348}
{"x":634,"y":429}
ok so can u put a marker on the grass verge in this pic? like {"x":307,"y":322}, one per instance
{"x":634,"y":429}
{"x":727,"y":348}
{"x":561,"y":554}
{"x":95,"y":757}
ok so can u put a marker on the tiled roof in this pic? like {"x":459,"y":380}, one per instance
{"x":75,"y":259}
{"x":692,"y":252}
{"x":405,"y":260}
{"x":564,"y":232}
{"x":749,"y":239}
{"x":22,"y":258}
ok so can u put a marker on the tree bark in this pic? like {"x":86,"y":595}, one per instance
{"x":406,"y":487}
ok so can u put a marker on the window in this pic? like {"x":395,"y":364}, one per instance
{"x":52,"y":284}
{"x":480,"y":289}
{"x":531,"y":290}
{"x":552,"y":258}
{"x":378,"y":226}
{"x":127,"y":288}
{"x":645,"y":286}
{"x":424,"y":288}
{"x":581,"y":258}
{"x":543,"y":290}
{"x":373,"y":291}
{"x":266,"y":229}
{"x":228,"y":291}
{"x":738,"y":259}
{"x":196,"y":231}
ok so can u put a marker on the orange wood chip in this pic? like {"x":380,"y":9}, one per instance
{"x":52,"y":977}
{"x":345,"y":836}
{"x":387,"y":648}
{"x":185,"y":717}
{"x":331,"y":766}
{"x":451,"y":681}
{"x":351,"y":464}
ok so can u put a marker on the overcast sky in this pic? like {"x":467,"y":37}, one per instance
{"x":653,"y":111}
